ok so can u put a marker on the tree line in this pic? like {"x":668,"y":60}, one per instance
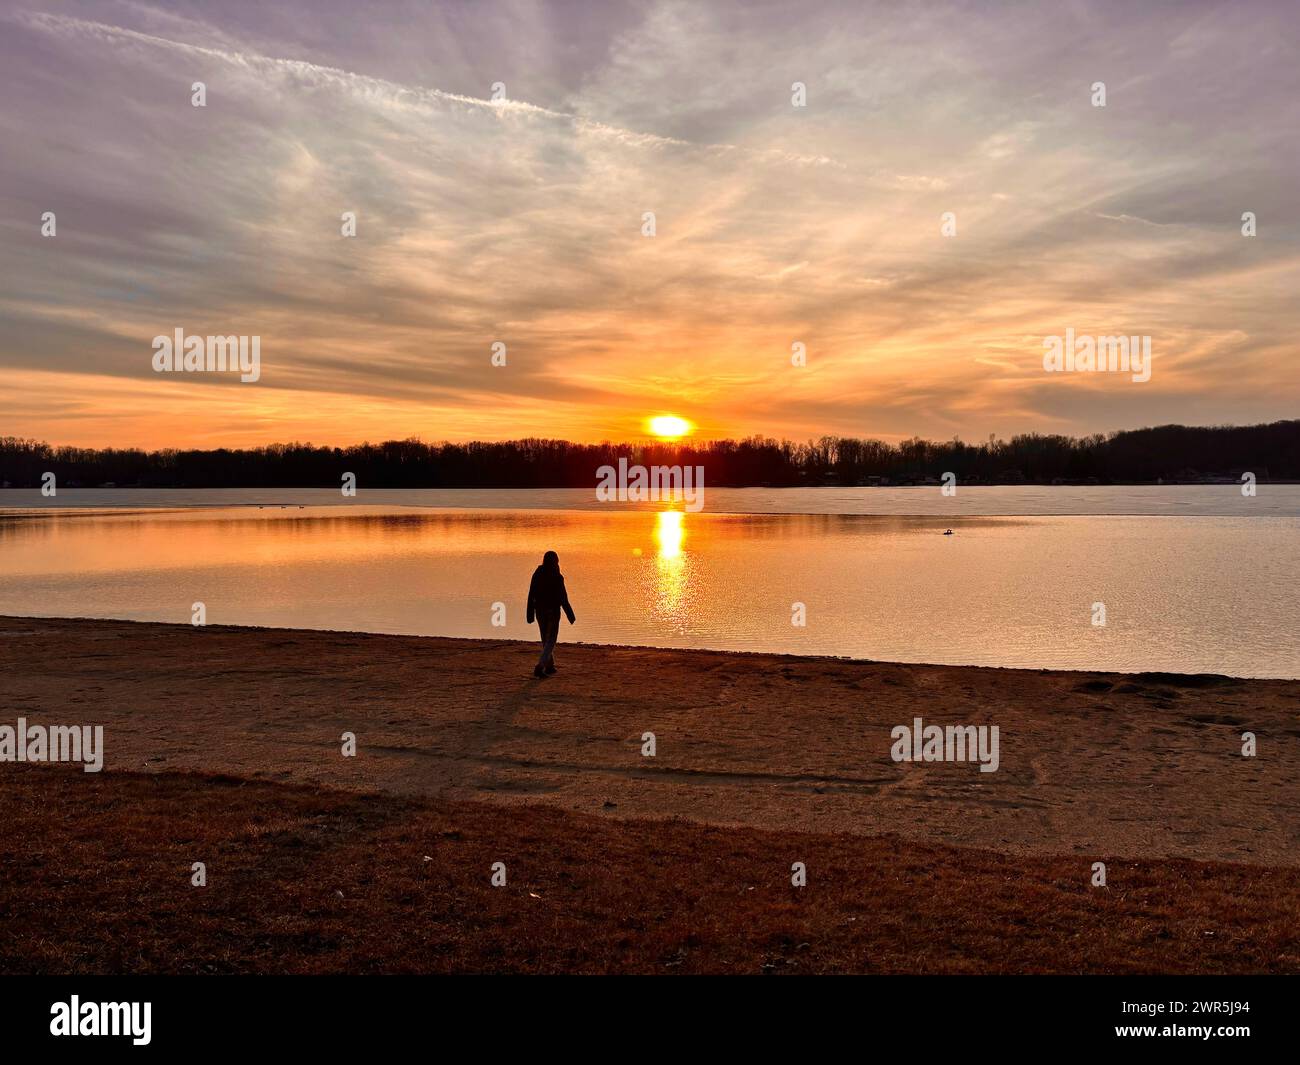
{"x":1168,"y":452}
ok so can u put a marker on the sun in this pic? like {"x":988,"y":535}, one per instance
{"x":670,"y":427}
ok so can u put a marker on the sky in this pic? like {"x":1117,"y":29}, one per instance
{"x":500,"y":159}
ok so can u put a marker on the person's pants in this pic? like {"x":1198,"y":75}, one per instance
{"x":549,"y":624}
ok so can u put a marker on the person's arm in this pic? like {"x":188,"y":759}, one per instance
{"x":532,"y":597}
{"x":564,"y":595}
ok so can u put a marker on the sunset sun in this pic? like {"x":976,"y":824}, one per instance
{"x":670,"y":427}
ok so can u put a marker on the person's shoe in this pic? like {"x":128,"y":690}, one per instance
{"x":550,"y":669}
{"x":537,"y":671}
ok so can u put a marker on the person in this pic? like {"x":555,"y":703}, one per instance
{"x":546,"y":598}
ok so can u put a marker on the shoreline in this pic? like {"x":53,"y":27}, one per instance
{"x":1152,"y":676}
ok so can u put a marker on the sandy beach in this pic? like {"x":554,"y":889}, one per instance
{"x":1091,"y":763}
{"x":763,"y":757}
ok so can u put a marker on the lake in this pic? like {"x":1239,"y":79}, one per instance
{"x":1191,"y":578}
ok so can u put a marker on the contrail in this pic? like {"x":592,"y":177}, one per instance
{"x":380,"y":90}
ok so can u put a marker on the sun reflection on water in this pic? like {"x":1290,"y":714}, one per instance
{"x":670,"y":531}
{"x":671,"y":564}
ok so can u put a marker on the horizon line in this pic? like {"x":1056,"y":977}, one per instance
{"x":650,"y":441}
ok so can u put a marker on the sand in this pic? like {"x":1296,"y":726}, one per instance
{"x":1091,"y":764}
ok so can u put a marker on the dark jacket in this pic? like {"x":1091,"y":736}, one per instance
{"x":546,"y":593}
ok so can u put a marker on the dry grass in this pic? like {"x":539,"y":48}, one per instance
{"x":95,"y":877}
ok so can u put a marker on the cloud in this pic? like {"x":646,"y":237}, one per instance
{"x":520,"y":219}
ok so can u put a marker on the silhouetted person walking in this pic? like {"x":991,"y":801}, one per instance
{"x":546,"y":598}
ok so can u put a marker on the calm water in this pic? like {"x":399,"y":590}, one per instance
{"x":1213,"y":593}
{"x":1279,"y":500}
